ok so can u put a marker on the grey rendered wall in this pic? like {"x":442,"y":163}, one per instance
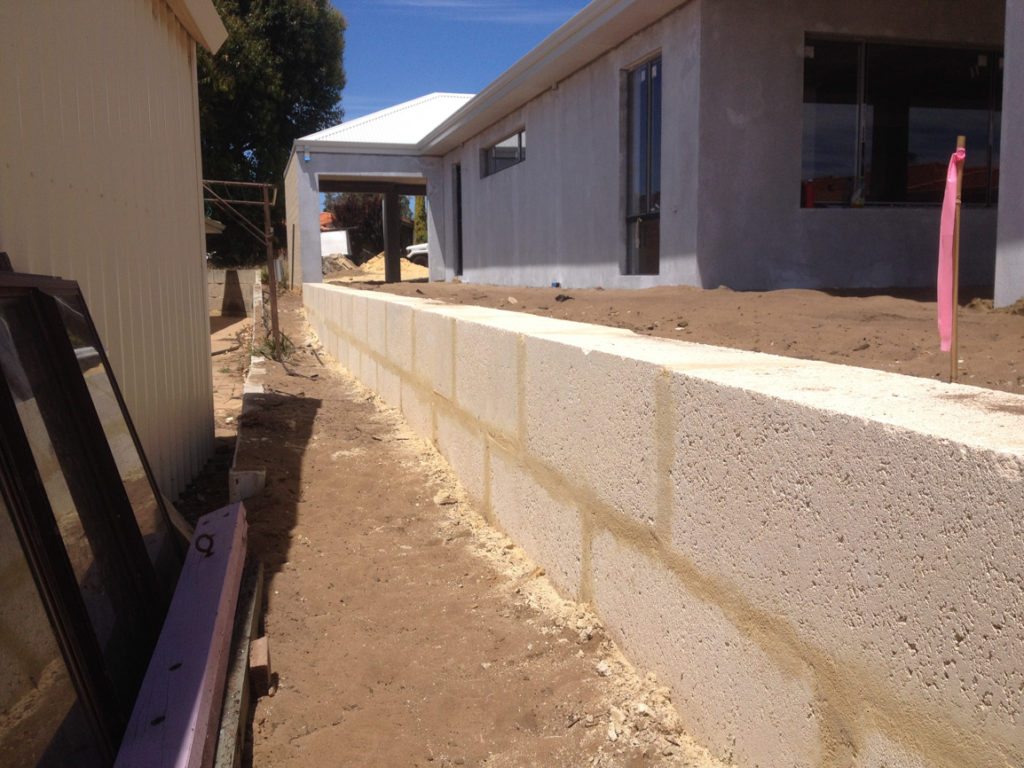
{"x":560,"y":216}
{"x":302,"y":196}
{"x":1010,"y":259}
{"x":293,"y":217}
{"x":753,"y":234}
{"x":100,"y":183}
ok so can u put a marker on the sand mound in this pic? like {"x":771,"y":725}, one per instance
{"x":410,"y":271}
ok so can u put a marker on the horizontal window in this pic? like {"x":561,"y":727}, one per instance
{"x":881,"y":120}
{"x":505,"y":154}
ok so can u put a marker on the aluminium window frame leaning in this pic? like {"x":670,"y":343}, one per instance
{"x":98,"y":495}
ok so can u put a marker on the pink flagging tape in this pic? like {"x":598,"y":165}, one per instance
{"x":946,"y":229}
{"x":174,"y":722}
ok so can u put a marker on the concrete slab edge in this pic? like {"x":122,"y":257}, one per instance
{"x":245,"y":483}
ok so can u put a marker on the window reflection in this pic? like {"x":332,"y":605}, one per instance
{"x":881,"y":120}
{"x":643,"y":194}
{"x":505,"y":154}
{"x":42,"y":721}
{"x":830,"y":123}
{"x":149,"y":514}
{"x":108,"y":598}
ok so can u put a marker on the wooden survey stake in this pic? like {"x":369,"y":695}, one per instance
{"x":954,"y":350}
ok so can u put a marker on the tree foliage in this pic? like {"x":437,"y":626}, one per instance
{"x":363,"y":216}
{"x":419,"y":221}
{"x":278,"y":76}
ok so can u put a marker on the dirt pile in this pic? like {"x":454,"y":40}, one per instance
{"x":372,"y":270}
{"x":337,"y":262}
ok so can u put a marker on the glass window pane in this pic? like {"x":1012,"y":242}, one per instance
{"x":921,"y":98}
{"x":504,"y":154}
{"x":638,"y":135}
{"x":153,"y":525}
{"x":644,"y":247}
{"x":522,"y":146}
{"x":42,"y":721}
{"x":829,"y":123}
{"x":997,"y":125}
{"x":655,"y":148}
{"x":113,"y":609}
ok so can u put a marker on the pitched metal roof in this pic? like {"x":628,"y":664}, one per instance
{"x":405,"y":124}
{"x":433,"y":125}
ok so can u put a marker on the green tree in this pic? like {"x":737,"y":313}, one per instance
{"x":279,"y":76}
{"x":362,"y":215}
{"x":419,"y":221}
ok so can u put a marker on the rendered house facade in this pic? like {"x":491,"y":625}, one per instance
{"x":751,"y":144}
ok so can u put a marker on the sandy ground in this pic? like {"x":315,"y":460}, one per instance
{"x":404,"y":630}
{"x":373,"y":271}
{"x":883,"y":332}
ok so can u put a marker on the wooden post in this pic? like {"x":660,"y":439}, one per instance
{"x":954,"y":350}
{"x":268,"y":236}
{"x":392,"y":237}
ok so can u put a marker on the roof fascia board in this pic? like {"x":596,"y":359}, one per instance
{"x":200,"y":19}
{"x":356,"y":148}
{"x":596,"y":29}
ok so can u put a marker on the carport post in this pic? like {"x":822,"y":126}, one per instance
{"x":392,"y":237}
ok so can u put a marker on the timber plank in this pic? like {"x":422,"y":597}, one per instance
{"x":176,"y":716}
{"x":237,"y":693}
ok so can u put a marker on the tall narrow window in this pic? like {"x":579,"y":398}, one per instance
{"x":881,"y":119}
{"x":644,"y":181}
{"x":457,"y":181}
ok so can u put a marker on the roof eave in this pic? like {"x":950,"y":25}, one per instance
{"x":355,"y":148}
{"x":201,"y":21}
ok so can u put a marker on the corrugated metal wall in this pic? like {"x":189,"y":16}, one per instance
{"x":100,"y":183}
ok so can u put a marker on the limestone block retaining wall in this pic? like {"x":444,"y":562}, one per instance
{"x":230,"y":291}
{"x":825,"y":563}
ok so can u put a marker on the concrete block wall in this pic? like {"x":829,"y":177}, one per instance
{"x":823,"y":562}
{"x":229,"y":291}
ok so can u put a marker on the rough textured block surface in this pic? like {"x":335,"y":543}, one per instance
{"x":433,"y":356}
{"x":549,"y":529}
{"x":389,"y":386}
{"x":418,"y":410}
{"x":901,"y":542}
{"x":592,"y":415}
{"x":486,"y":376}
{"x":376,"y":326}
{"x":734,"y":697}
{"x":463,"y":446}
{"x":399,"y":336}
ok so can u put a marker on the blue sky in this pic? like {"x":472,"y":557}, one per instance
{"x":396,"y":50}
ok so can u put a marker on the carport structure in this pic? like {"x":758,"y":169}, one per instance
{"x":374,"y":154}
